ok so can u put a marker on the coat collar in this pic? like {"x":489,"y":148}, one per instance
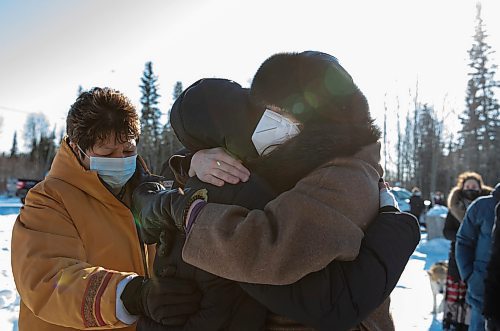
{"x":67,"y":168}
{"x":317,"y":144}
{"x":457,"y":204}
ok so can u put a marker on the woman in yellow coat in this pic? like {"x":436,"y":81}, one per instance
{"x":75,"y":247}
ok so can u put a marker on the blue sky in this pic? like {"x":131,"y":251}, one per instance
{"x":50,"y":47}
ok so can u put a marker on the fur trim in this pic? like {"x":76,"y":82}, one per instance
{"x":457,"y":204}
{"x":309,"y":84}
{"x":317,"y":143}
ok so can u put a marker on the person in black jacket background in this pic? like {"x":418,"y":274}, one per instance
{"x":416,"y":203}
{"x":469,"y":187}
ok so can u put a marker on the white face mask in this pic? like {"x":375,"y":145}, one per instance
{"x":114,"y":171}
{"x":272,"y":130}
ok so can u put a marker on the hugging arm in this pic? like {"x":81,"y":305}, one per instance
{"x":284,"y":238}
{"x":345,"y":293}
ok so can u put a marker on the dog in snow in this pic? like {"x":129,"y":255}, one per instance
{"x":437,"y":276}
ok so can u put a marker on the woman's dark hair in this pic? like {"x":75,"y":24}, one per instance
{"x":100,"y":112}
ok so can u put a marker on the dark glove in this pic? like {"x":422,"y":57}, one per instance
{"x":147,"y":324}
{"x":165,"y":300}
{"x":147,"y":202}
{"x":157,"y":209}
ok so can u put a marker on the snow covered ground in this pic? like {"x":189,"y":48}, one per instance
{"x":9,"y":299}
{"x":411,"y":300}
{"x":411,"y":303}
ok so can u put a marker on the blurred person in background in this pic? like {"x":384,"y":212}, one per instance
{"x":416,"y":203}
{"x":469,"y":187}
{"x":438,"y":199}
{"x":75,"y":246}
{"x":473,"y":249}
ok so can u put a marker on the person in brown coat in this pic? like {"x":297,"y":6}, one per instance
{"x":336,"y":150}
{"x":321,"y":168}
{"x":75,"y":246}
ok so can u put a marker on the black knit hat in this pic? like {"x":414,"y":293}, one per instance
{"x":216,"y":112}
{"x":310,"y":85}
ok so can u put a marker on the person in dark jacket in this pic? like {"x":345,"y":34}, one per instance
{"x":492,"y":282}
{"x":416,"y":203}
{"x":387,"y":287}
{"x":469,"y":186}
{"x":473,"y":249}
{"x":438,"y":199}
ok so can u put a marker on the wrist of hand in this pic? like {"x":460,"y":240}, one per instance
{"x":183,"y":203}
{"x":193,"y":212}
{"x":387,"y":199}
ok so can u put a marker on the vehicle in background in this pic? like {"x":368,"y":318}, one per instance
{"x":11,"y":186}
{"x":23,"y":186}
{"x":402,"y":197}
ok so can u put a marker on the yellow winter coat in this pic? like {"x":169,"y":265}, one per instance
{"x":72,"y":243}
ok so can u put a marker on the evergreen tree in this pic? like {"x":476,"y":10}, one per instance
{"x":80,"y":90}
{"x":13,"y":149}
{"x":36,"y":126}
{"x":429,"y":150}
{"x":481,"y":118}
{"x":177,"y":90}
{"x":169,"y":142}
{"x":150,"y":118}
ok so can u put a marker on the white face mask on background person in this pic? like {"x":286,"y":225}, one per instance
{"x":114,"y":171}
{"x":272,"y":130}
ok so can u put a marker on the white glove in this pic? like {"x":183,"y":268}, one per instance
{"x":387,"y":199}
{"x":386,"y":196}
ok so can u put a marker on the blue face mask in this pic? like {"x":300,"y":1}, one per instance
{"x":114,"y":171}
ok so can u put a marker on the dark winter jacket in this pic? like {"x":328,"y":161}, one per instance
{"x":492,"y":282}
{"x":473,"y":246}
{"x":457,"y":204}
{"x":451,"y":226}
{"x":344,"y":293}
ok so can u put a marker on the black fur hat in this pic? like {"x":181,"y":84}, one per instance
{"x":310,"y":85}
{"x":216,"y":112}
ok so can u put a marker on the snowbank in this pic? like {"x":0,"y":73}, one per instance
{"x":9,"y":298}
{"x":438,"y":210}
{"x":411,"y":304}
